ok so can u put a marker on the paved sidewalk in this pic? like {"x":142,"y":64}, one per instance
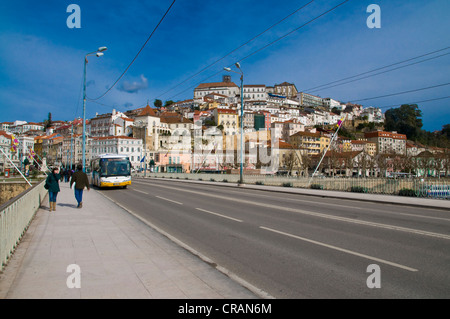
{"x":119,"y":257}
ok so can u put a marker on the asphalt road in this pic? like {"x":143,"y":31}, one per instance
{"x":296,"y":246}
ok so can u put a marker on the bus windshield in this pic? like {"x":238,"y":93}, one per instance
{"x":115,"y":167}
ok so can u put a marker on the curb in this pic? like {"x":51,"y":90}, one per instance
{"x":298,"y":191}
{"x":258,"y":292}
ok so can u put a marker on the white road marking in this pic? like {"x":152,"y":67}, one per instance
{"x":341,"y":249}
{"x":170,"y":200}
{"x":136,"y":190}
{"x":310,"y":213}
{"x":209,"y":212}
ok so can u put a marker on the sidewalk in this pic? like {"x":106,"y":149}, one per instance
{"x":119,"y":257}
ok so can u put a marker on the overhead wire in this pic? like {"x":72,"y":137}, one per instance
{"x":417,"y":102}
{"x":269,"y":44}
{"x":383,"y":72}
{"x":242,"y":45}
{"x":377,"y":69}
{"x":134,"y":59}
{"x":399,"y":93}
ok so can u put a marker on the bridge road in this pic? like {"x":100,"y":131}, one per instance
{"x":295,"y":246}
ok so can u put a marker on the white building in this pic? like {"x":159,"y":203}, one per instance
{"x":255,"y":92}
{"x":330,"y":103}
{"x":373,"y":114}
{"x":103,"y":125}
{"x":132,"y":147}
{"x":226,"y":88}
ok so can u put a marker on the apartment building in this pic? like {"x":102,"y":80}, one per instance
{"x":228,"y":119}
{"x":310,"y":100}
{"x":387,"y":142}
{"x":314,"y":142}
{"x":5,"y":145}
{"x":286,"y":89}
{"x":366,"y":146}
{"x":103,"y":125}
{"x":132,"y":147}
{"x":262,"y":120}
{"x":255,"y":92}
{"x":330,"y":103}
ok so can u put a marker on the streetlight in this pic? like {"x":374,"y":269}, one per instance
{"x":98,"y":53}
{"x":238,"y":66}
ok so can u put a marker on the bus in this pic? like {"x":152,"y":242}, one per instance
{"x":111,"y":170}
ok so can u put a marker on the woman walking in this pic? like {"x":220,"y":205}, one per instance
{"x":53,"y":187}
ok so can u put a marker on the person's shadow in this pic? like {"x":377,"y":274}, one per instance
{"x":67,"y":205}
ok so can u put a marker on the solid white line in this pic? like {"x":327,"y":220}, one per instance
{"x":140,"y":191}
{"x":341,"y":249}
{"x":170,"y":200}
{"x":207,"y":211}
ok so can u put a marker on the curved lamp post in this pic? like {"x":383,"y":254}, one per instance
{"x":98,"y":53}
{"x":238,"y":66}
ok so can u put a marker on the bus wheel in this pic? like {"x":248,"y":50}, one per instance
{"x":124,"y":186}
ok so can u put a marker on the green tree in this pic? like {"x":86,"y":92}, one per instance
{"x":168,"y":103}
{"x":157,"y":103}
{"x":446,"y":130}
{"x":48,"y":121}
{"x":405,"y":120}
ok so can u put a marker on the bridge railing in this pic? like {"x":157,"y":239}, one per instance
{"x":416,"y":187}
{"x":15,"y":218}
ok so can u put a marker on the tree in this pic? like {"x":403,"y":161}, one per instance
{"x":290,"y":161}
{"x":157,"y":104}
{"x":446,"y":130}
{"x":405,"y":120}
{"x":335,"y":110}
{"x":168,"y":103}
{"x":48,"y":121}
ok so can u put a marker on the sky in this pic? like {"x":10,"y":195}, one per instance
{"x":42,"y":59}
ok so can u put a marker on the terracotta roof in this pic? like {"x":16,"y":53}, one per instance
{"x":170,"y":120}
{"x":216,"y":85}
{"x":226,"y":111}
{"x":386,"y":134}
{"x":5,"y":134}
{"x":306,"y":134}
{"x":148,"y":111}
{"x":283,"y":145}
{"x":114,"y":137}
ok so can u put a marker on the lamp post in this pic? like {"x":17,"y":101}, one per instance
{"x":98,"y":53}
{"x":238,"y":66}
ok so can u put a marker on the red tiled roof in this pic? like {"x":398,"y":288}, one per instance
{"x":216,"y":85}
{"x":148,"y":111}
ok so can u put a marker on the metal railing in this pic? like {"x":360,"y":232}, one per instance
{"x":416,"y":187}
{"x":15,"y":218}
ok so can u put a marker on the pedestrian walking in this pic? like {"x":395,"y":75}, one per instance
{"x":81,"y":181}
{"x":52,"y":184}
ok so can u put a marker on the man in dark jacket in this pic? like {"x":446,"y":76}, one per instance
{"x":81,"y":181}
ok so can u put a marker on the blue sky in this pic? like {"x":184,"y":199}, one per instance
{"x":41,"y":59}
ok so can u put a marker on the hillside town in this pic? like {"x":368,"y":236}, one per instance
{"x":285,"y":131}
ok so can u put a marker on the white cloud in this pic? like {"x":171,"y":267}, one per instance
{"x":134,"y":86}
